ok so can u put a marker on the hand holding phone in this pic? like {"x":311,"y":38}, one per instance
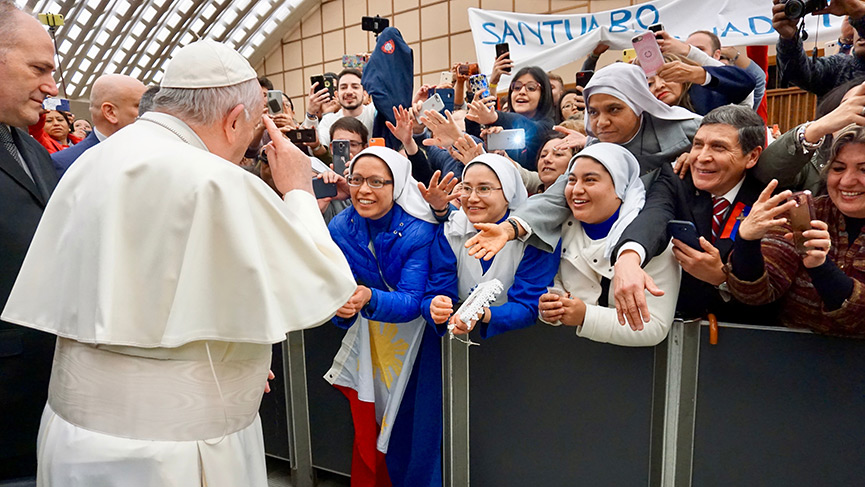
{"x":800,"y":217}
{"x":686,"y":232}
{"x":503,"y":49}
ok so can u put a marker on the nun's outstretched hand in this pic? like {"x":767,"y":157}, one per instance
{"x":490,"y":240}
{"x":439,"y":192}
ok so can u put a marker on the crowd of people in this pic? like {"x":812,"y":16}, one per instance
{"x":630,"y":202}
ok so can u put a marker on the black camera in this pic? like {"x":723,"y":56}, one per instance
{"x":796,"y":9}
{"x":374,"y":24}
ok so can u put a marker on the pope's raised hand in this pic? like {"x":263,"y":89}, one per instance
{"x":290,"y":167}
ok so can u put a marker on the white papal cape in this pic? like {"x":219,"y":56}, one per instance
{"x":167,"y":272}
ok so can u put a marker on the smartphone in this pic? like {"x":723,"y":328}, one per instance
{"x":479,"y":85}
{"x":322,"y":189}
{"x":300,"y":136}
{"x":507,"y":140}
{"x":433,"y":103}
{"x":502,"y":49}
{"x":467,"y":69}
{"x":446,"y":78}
{"x":583,"y":78}
{"x":374,"y":24}
{"x":628,"y":55}
{"x":686,"y":232}
{"x":353,"y":61}
{"x":60,"y":104}
{"x":323,"y":83}
{"x":656,"y":27}
{"x":800,"y":218}
{"x":376,"y":142}
{"x":341,"y":150}
{"x":447,"y":96}
{"x":648,"y":53}
{"x":274,"y":102}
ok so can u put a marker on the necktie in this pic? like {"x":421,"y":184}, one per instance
{"x":719,"y":209}
{"x":9,"y":145}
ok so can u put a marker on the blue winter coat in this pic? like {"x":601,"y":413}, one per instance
{"x":401,"y":261}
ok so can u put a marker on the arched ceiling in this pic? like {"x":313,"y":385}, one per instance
{"x":137,"y":37}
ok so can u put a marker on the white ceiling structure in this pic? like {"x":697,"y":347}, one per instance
{"x":137,"y":37}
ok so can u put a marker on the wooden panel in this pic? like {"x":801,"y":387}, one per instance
{"x":788,"y":107}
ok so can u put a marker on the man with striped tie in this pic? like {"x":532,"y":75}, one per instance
{"x":715,"y":195}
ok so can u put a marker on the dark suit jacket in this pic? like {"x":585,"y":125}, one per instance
{"x":25,"y":354}
{"x":63,"y":159}
{"x":729,"y":84}
{"x":671,"y":198}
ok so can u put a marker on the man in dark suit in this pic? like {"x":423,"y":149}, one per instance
{"x":114,"y":102}
{"x":717,"y":192}
{"x":27,"y":179}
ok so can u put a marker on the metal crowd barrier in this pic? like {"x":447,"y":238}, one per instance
{"x":541,"y":406}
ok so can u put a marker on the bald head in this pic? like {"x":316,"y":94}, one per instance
{"x":114,"y":102}
{"x":26,"y":66}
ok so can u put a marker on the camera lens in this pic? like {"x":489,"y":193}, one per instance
{"x":794,"y":9}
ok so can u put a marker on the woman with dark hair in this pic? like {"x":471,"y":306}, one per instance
{"x":385,"y":236}
{"x":53,"y":131}
{"x":530,"y":107}
{"x":817,"y":274}
{"x":569,"y":105}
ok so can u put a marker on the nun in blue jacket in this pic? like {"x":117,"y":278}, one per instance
{"x":389,"y":357}
{"x":491,"y":187}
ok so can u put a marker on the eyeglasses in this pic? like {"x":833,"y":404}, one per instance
{"x":482,"y":191}
{"x":373,"y":182}
{"x":568,"y":106}
{"x":531,"y":86}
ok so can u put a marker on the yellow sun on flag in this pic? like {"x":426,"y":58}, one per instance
{"x":387,"y":353}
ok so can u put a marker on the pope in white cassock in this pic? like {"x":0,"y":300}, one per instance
{"x":167,"y":272}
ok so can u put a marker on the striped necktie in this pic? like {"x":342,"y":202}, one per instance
{"x":9,"y":145}
{"x":719,"y":209}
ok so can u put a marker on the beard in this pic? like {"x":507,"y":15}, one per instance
{"x":351,"y":106}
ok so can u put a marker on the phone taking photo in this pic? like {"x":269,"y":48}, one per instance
{"x":583,"y":77}
{"x":300,"y":136}
{"x":686,"y":232}
{"x":513,"y":139}
{"x":503,"y":49}
{"x":323,"y":82}
{"x":648,"y":52}
{"x":322,"y":189}
{"x":800,"y":217}
{"x":341,"y":151}
{"x":434,"y":103}
{"x":274,"y":102}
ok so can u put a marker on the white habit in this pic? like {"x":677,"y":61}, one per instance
{"x":167,"y":272}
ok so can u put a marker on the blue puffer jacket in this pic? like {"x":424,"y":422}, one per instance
{"x":402,"y":262}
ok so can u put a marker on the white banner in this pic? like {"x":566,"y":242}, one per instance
{"x":550,"y":41}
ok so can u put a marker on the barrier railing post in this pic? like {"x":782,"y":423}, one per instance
{"x":679,"y":389}
{"x":299,"y":442}
{"x":455,"y":395}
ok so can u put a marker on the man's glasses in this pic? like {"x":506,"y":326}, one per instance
{"x":482,"y":191}
{"x":531,"y":86}
{"x":373,"y":182}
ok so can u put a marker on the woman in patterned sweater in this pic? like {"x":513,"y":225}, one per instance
{"x":823,"y":288}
